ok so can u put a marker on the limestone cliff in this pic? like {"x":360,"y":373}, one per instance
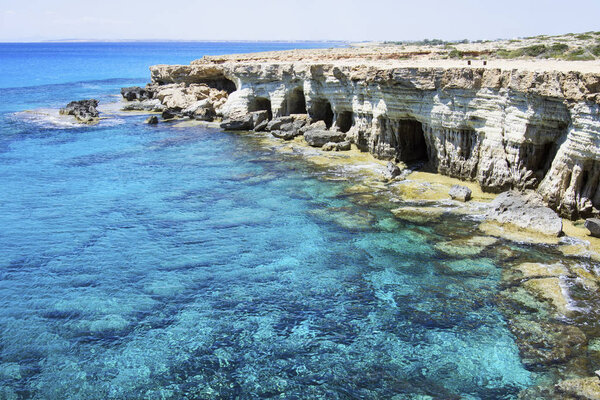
{"x":504,"y":128}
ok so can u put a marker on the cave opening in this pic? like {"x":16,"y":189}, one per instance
{"x":261,"y":104}
{"x":410,"y":141}
{"x":296,"y":102}
{"x":344,"y":121}
{"x":321,"y":110}
{"x":221,"y":83}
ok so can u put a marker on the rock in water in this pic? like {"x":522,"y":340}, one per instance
{"x":136,"y":93}
{"x":341,"y":146}
{"x":153,"y":120}
{"x":526,"y":211}
{"x":318,"y":138}
{"x":593,"y":225}
{"x":392,"y":171}
{"x":462,"y":193}
{"x":243,"y":124}
{"x":83,"y":110}
{"x":167,"y":114}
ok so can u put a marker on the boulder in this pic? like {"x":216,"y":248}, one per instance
{"x":136,"y":93}
{"x":285,"y":135}
{"x":244,"y":123}
{"x":261,"y":126}
{"x":201,"y":110}
{"x":593,"y":225}
{"x":318,"y":138}
{"x":319,"y":125}
{"x":341,"y":146}
{"x":276,"y":123}
{"x":83,"y":110}
{"x":152,"y":120}
{"x":168,"y":114}
{"x":525,"y":210}
{"x":391,"y":171}
{"x":258,"y":117}
{"x":462,"y":193}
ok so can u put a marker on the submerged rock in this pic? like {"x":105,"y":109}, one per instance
{"x":593,"y":225}
{"x":83,"y":110}
{"x":462,"y":193}
{"x":152,"y":120}
{"x":582,"y":388}
{"x":526,"y":211}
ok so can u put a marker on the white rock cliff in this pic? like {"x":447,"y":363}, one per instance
{"x":503,"y":128}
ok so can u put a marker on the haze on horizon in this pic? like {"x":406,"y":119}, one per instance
{"x":351,"y":20}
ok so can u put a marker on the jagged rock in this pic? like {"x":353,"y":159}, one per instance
{"x":152,"y":120}
{"x":318,"y":138}
{"x":83,"y":110}
{"x":136,"y":93}
{"x":593,"y":225}
{"x":168,"y":114}
{"x":462,"y":193}
{"x":276,"y":123}
{"x":341,"y":146}
{"x":285,"y":135}
{"x":526,"y":211}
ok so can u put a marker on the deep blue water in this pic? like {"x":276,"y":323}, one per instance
{"x":169,"y":263}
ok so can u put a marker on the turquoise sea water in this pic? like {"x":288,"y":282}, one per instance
{"x":165,"y":262}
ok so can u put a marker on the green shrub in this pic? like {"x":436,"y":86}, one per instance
{"x":455,"y":53}
{"x":579,"y":54}
{"x":584,"y":36}
{"x":535,"y":50}
{"x":595,"y":50}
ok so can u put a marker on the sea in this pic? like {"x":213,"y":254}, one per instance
{"x":184,"y":262}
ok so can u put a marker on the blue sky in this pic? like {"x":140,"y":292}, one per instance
{"x":293,"y":20}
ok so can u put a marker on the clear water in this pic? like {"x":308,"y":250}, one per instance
{"x":169,"y":263}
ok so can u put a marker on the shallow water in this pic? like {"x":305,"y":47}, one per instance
{"x":161,"y":262}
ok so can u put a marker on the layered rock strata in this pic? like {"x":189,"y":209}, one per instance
{"x":505,"y":129}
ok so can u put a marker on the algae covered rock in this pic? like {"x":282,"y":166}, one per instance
{"x":526,"y":211}
{"x":318,"y":138}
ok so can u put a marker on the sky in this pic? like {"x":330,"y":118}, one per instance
{"x":351,"y":20}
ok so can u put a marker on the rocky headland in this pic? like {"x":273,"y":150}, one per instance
{"x":504,"y":128}
{"x":527,"y":130}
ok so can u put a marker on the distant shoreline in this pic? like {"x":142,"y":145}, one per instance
{"x":173,"y":40}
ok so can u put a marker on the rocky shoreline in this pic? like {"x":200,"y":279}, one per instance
{"x":539,"y":298}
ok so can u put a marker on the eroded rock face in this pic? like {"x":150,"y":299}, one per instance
{"x":83,"y":110}
{"x":526,"y":211}
{"x":318,"y":137}
{"x":505,"y":129}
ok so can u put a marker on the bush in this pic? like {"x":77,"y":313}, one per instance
{"x":584,"y":37}
{"x":595,"y":50}
{"x":454,"y":53}
{"x":579,"y":54}
{"x":534,"y":51}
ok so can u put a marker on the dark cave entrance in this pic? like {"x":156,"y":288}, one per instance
{"x":321,"y":110}
{"x":296,"y":102}
{"x":221,"y":84}
{"x":261,"y":104}
{"x":344,"y":121}
{"x":410,"y":142}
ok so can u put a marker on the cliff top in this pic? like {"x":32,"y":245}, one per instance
{"x":570,"y":52}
